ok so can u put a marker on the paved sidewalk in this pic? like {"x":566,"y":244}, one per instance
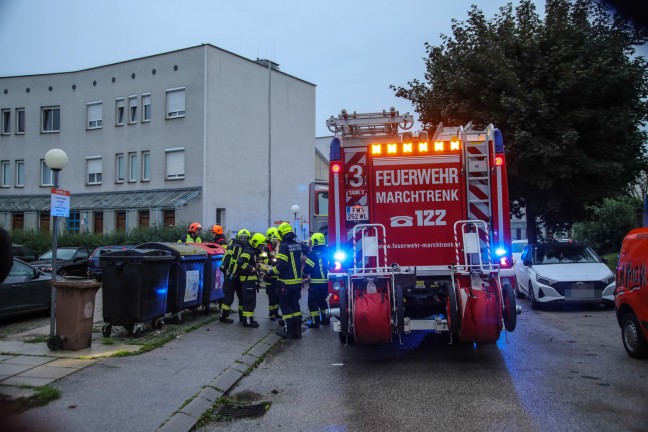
{"x":167,"y":389}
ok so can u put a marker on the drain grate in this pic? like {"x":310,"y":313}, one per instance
{"x":243,"y":411}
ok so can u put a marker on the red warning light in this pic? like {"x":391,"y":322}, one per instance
{"x":335,"y":168}
{"x":499,"y":160}
{"x":336,"y":298}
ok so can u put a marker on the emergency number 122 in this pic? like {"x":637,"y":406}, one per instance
{"x":430,"y":217}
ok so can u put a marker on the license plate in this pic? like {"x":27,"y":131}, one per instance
{"x":582,"y":292}
{"x":357,"y":213}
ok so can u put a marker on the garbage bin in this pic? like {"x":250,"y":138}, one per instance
{"x":185,"y":276}
{"x":213,"y":279}
{"x":135,"y":285}
{"x":75,"y":301}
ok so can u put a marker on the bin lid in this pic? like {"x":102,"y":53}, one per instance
{"x":76,"y":283}
{"x":176,"y":249}
{"x":156,"y":254}
{"x":211,"y":248}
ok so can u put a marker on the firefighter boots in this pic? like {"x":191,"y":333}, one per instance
{"x":287,"y":331}
{"x":297,"y":327}
{"x":249,"y":322}
{"x":315,"y":322}
{"x":224,"y":317}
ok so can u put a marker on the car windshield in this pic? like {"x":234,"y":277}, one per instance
{"x":559,"y":254}
{"x":60,"y":254}
{"x":518,"y":247}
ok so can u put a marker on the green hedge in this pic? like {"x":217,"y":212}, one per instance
{"x":41,"y":241}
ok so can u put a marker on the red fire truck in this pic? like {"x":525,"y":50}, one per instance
{"x":419,"y":230}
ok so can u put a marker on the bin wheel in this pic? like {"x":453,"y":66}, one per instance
{"x":129,"y":329}
{"x":178,"y":318}
{"x":55,"y":343}
{"x":157,"y":323}
{"x":106,"y":330}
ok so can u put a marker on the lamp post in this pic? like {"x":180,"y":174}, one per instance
{"x":56,"y":159}
{"x":295,"y":209}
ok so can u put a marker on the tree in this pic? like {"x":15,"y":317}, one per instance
{"x":611,"y":220}
{"x":567,"y":92}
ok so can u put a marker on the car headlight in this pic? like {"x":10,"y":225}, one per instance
{"x":608,"y":280}
{"x":544,"y":280}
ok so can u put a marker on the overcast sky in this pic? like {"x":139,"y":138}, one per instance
{"x":352,"y":50}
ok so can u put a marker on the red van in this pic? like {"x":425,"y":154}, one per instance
{"x":631,"y":295}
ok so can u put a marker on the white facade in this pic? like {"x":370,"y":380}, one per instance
{"x":189,"y":135}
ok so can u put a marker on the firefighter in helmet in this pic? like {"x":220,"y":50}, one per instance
{"x":218,"y":236}
{"x":232,"y":285}
{"x":193,"y":234}
{"x":271,"y":280}
{"x":316,"y":267}
{"x":288,"y":270}
{"x":247,"y":263}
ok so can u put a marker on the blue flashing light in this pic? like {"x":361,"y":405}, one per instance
{"x":339,"y":256}
{"x":161,"y":291}
{"x":335,"y":149}
{"x":500,"y":252}
{"x":499,"y":141}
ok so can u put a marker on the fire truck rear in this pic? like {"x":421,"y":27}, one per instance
{"x":419,"y":230}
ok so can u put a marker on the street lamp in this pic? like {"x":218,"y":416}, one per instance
{"x":295,"y":209}
{"x":56,"y":159}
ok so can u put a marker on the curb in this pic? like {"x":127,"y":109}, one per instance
{"x":187,"y":416}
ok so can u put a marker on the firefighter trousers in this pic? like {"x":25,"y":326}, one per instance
{"x":317,"y":299}
{"x":273,"y":298}
{"x":249,"y":291}
{"x":232,"y":286}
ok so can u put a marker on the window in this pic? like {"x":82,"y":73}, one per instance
{"x":119,"y":168}
{"x":95,"y":111}
{"x":146,"y":107}
{"x":132,"y":109}
{"x":119,"y":111}
{"x":120,"y":220}
{"x":220,"y":216}
{"x":146,"y":165}
{"x":94,"y":170}
{"x":6,"y":121}
{"x":17,"y":221}
{"x":51,"y":119}
{"x":175,"y":163}
{"x":20,"y":173}
{"x":47,"y":175}
{"x":20,"y":120}
{"x":132,"y":167}
{"x":74,"y":221}
{"x":175,"y":103}
{"x":44,"y":221}
{"x":5,"y":167}
{"x":144,"y":218}
{"x":168,"y":217}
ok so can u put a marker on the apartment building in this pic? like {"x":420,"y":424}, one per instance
{"x":198,"y":134}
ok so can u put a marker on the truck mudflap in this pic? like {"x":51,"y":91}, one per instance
{"x":481,"y":313}
{"x":371,"y":313}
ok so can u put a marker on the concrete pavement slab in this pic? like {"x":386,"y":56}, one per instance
{"x":180,"y":422}
{"x":12,"y":392}
{"x":71,"y":363}
{"x":46,"y":371}
{"x":197,"y":407}
{"x":259,"y":349}
{"x":27,"y":381}
{"x":13,"y":369}
{"x":226,"y":380}
{"x":248,"y":359}
{"x":27,"y":360}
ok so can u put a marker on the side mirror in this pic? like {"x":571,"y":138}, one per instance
{"x":526,"y":263}
{"x":604,"y":260}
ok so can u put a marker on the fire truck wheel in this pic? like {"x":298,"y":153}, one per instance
{"x":343,"y":339}
{"x":451,"y":308}
{"x":510,"y":315}
{"x":344,"y":315}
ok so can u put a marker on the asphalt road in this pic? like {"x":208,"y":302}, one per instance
{"x":563,"y":369}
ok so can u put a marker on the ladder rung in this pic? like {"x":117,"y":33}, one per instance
{"x":478,"y":200}
{"x":477,"y":177}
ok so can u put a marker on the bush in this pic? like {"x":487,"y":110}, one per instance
{"x":41,"y":241}
{"x":611,"y":220}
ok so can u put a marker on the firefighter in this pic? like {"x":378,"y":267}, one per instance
{"x":248,"y":277}
{"x":193,"y":233}
{"x":271,"y":280}
{"x":316,"y":268}
{"x":232,"y":284}
{"x":218,"y":236}
{"x":288,"y":269}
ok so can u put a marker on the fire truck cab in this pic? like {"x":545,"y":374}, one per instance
{"x":418,"y":230}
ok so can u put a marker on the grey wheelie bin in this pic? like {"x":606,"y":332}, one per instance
{"x":185,"y":276}
{"x":135,"y":286}
{"x":213,"y":281}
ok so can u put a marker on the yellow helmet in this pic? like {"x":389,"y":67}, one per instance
{"x":243,"y":233}
{"x":284,"y":229}
{"x":272,"y":233}
{"x":257,"y":240}
{"x":318,"y":239}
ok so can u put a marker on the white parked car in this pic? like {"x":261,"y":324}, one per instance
{"x":563,"y":272}
{"x":517,"y":246}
